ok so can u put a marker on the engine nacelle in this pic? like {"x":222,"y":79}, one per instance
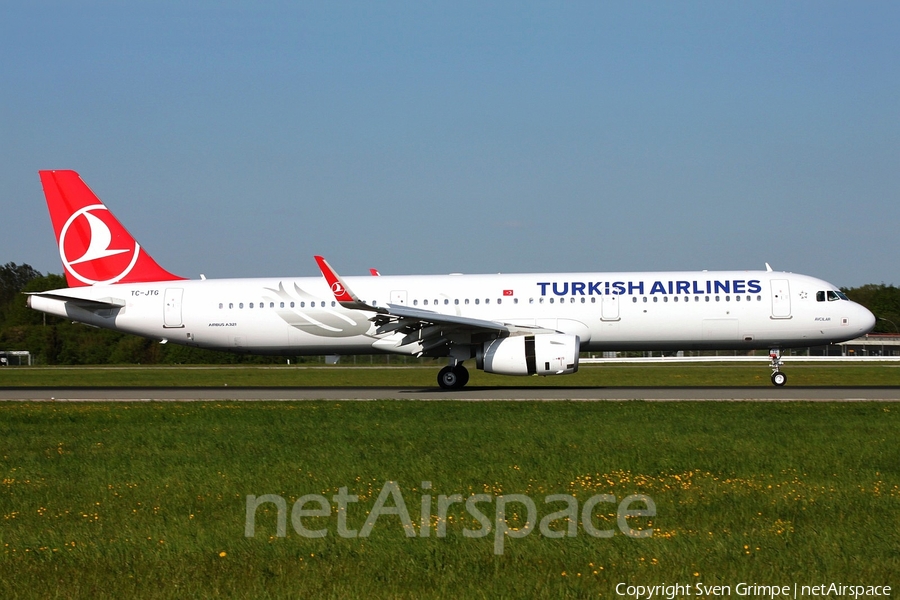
{"x":544,"y":354}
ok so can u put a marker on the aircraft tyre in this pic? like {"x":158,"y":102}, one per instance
{"x":453,"y":378}
{"x":463,"y":374}
{"x":779,"y":378}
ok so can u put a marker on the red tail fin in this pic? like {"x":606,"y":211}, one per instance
{"x":93,"y":245}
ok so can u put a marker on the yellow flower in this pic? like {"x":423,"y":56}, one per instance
{"x":222,"y":554}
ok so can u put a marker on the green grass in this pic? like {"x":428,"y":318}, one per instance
{"x":148,"y":499}
{"x":715,"y":374}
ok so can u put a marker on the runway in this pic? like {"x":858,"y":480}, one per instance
{"x":482,"y":394}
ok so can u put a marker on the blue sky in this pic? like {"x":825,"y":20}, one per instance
{"x":237,"y":140}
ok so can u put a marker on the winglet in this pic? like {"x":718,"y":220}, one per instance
{"x":341,"y":292}
{"x":374,"y":272}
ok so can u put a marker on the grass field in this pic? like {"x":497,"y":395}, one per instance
{"x":149,"y":500}
{"x":710,"y":374}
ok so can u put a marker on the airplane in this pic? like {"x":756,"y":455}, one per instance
{"x":511,"y":324}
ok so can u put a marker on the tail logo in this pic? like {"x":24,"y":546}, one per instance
{"x":91,"y":251}
{"x":337,"y":288}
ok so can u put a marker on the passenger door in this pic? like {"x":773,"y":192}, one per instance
{"x":172,"y":314}
{"x":781,"y":299}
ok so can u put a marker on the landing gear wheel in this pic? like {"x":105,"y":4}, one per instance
{"x":779,"y":378}
{"x":463,"y":374}
{"x":447,"y":379}
{"x":453,"y":378}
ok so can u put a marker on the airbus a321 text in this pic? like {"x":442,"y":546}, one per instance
{"x":520,"y":324}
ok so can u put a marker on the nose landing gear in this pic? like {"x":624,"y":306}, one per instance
{"x":778,"y":378}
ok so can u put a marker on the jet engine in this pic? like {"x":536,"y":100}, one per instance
{"x":542,"y":354}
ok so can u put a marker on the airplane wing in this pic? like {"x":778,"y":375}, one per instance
{"x":405,"y":312}
{"x":433,"y":330}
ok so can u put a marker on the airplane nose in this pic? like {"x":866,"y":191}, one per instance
{"x":866,"y":319}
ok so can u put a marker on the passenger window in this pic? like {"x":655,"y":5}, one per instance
{"x":466,"y":301}
{"x":240,"y":305}
{"x":231,"y":305}
{"x":221,"y":305}
{"x":415,"y":302}
{"x":282,"y":305}
{"x":656,"y":298}
{"x":593,"y":300}
{"x":251,"y":305}
{"x":645,"y":299}
{"x":446,"y":301}
{"x":515,"y":300}
{"x":333,"y":304}
{"x":499,"y":300}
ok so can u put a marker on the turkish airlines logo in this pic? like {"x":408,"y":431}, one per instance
{"x":94,"y":248}
{"x":337,"y":288}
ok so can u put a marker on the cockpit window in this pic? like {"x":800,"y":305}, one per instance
{"x":820,"y":296}
{"x":832,"y":296}
{"x":842,"y":296}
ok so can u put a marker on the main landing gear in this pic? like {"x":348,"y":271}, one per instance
{"x":778,"y":378}
{"x":453,"y":377}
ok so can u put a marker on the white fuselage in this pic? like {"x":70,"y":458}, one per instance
{"x":607,"y":311}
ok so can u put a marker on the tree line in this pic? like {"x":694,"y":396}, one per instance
{"x":56,"y":341}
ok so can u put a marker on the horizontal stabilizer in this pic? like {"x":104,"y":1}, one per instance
{"x":91,"y":304}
